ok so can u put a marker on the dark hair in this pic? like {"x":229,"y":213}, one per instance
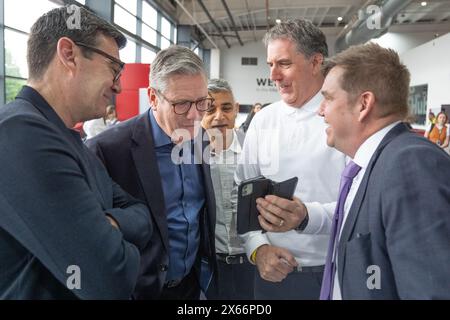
{"x":370,"y":67}
{"x":76,"y":23}
{"x":308,"y":39}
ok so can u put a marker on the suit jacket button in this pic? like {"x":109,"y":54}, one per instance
{"x":163,"y":267}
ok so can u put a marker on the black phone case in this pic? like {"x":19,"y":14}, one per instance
{"x":250,"y":190}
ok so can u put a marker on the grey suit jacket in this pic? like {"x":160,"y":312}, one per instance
{"x":395,"y":243}
{"x":54,"y":195}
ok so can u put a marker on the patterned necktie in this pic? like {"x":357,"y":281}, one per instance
{"x":350,"y":171}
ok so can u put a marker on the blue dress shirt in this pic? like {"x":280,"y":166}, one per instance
{"x":184,"y":197}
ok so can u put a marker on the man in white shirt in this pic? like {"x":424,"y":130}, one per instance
{"x":284,"y":140}
{"x":394,"y":241}
{"x":235,"y":273}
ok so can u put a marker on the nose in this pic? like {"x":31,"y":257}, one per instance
{"x":275,"y":74}
{"x":321,"y":111}
{"x":218,"y":115}
{"x":194,"y":114}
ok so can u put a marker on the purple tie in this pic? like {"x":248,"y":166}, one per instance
{"x":350,"y":171}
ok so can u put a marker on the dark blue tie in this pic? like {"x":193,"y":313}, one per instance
{"x":350,"y":171}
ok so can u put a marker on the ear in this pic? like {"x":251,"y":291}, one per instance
{"x":317,"y":61}
{"x":236,"y":107}
{"x":366,"y":105}
{"x":153,"y":98}
{"x":67,"y":54}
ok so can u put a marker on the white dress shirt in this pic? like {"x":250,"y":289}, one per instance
{"x":362,"y":159}
{"x":284,"y":142}
{"x":223,"y":166}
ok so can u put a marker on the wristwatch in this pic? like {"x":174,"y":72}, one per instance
{"x":304,"y":223}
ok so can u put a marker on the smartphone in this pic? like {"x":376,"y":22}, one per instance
{"x":259,"y":187}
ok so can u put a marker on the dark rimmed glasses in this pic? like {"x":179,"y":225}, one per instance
{"x":183,"y":107}
{"x":117,"y":73}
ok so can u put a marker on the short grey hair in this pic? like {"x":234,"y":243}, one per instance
{"x":53,"y":25}
{"x":175,"y":60}
{"x":308,"y":38}
{"x":219,"y":85}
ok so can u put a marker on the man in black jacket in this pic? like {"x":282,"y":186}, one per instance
{"x":67,"y":231}
{"x":157,"y":157}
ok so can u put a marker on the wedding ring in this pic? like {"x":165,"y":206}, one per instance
{"x":281,"y":223}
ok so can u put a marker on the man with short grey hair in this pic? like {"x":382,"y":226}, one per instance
{"x":153,"y":156}
{"x":287,"y":139}
{"x":67,"y":231}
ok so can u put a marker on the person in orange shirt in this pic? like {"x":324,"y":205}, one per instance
{"x":439,"y":132}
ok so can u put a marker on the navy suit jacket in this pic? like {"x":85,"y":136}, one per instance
{"x":54,"y":195}
{"x":395,"y":243}
{"x":128,"y":152}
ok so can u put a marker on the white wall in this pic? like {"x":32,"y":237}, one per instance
{"x":243,"y":79}
{"x":430,"y":64}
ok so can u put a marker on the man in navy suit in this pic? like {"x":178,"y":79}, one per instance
{"x":67,"y":231}
{"x":157,"y":157}
{"x":395,"y":239}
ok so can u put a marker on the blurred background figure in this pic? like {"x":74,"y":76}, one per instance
{"x":111,"y":116}
{"x":95,"y":126}
{"x":256,"y":107}
{"x":438,"y":132}
{"x":431,"y":117}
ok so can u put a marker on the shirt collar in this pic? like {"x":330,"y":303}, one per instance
{"x":38,"y":101}
{"x":368,"y":148}
{"x":160,"y":138}
{"x":235,"y":145}
{"x":310,"y":107}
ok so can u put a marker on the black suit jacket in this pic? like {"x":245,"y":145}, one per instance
{"x":128,"y":152}
{"x":54,"y":195}
{"x":397,"y":233}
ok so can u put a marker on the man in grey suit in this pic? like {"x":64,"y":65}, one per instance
{"x":67,"y":231}
{"x":395,"y":239}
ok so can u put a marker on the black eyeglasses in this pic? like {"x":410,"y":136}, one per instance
{"x":183,"y":107}
{"x":117,"y":73}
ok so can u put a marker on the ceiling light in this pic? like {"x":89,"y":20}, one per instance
{"x":339,"y":18}
{"x":423,"y":3}
{"x":278,"y":21}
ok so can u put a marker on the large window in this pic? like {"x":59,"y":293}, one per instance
{"x":17,"y":26}
{"x":147,"y":29}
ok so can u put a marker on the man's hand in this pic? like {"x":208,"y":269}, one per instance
{"x":280,"y":215}
{"x":274,"y":263}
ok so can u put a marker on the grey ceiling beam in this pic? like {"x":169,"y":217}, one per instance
{"x":232,"y":22}
{"x":200,"y":2}
{"x":196,"y":23}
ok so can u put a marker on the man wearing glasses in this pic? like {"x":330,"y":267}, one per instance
{"x":143,"y":155}
{"x":67,"y":231}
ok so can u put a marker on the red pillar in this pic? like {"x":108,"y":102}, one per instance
{"x":134,"y":77}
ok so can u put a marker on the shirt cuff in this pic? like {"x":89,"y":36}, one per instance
{"x":316,"y":217}
{"x":255,"y":240}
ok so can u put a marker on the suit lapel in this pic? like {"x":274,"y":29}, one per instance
{"x":144,"y":158}
{"x":350,"y":222}
{"x":207,"y":182}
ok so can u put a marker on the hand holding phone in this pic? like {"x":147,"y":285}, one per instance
{"x":259,"y":187}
